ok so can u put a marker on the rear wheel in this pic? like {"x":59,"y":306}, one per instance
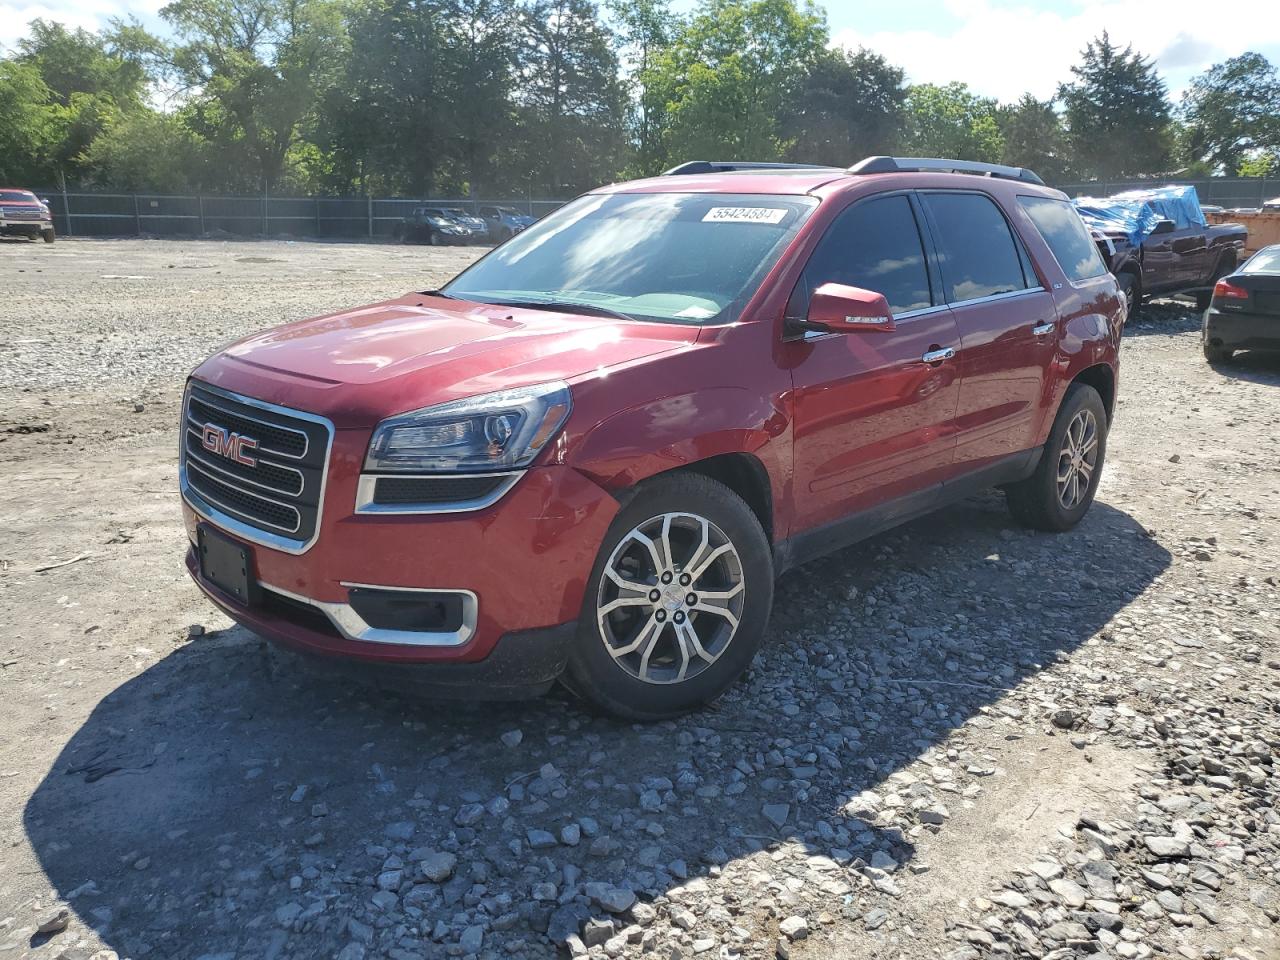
{"x":1062,"y":488}
{"x":677,"y":603}
{"x":1217,"y":354}
{"x":1224,"y":266}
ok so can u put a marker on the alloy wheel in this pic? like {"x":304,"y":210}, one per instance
{"x":670,"y":598}
{"x":1077,"y":459}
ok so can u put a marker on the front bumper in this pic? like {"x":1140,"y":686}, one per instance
{"x":519,"y":664}
{"x":1241,"y":331}
{"x":24,"y":228}
{"x":522,"y":562}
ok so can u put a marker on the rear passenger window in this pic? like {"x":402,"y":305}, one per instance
{"x":875,"y":245}
{"x":976,"y":251}
{"x":1066,"y":236}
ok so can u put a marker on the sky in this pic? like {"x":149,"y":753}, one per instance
{"x":1000,"y":48}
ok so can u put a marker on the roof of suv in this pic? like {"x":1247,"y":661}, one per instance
{"x":800,"y":179}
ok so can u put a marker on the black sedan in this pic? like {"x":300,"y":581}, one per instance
{"x":1245,"y":311}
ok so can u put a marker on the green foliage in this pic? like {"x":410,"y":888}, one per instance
{"x":732,"y":75}
{"x":31,"y":125}
{"x":147,"y":151}
{"x":953,"y":122}
{"x":1117,"y":113}
{"x":548,"y":98}
{"x":852,"y":106}
{"x":1034,"y":137}
{"x":255,"y":69}
{"x":1265,"y":164}
{"x":1232,"y":110}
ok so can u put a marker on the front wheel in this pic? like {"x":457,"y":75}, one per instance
{"x":1062,"y":489}
{"x":48,"y":236}
{"x":1132,"y":293}
{"x":677,"y":603}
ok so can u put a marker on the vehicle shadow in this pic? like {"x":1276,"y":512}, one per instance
{"x":224,"y":804}
{"x":1255,"y":366}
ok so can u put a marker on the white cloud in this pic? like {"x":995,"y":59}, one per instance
{"x":1006,"y":50}
{"x":89,"y":14}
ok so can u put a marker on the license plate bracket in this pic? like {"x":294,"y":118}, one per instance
{"x":227,"y":564}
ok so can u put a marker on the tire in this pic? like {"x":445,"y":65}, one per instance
{"x":433,"y":238}
{"x":1131,"y":290}
{"x":1217,"y":355}
{"x":48,"y":236}
{"x":1040,"y":501}
{"x":1225,"y":265}
{"x":664,"y":675}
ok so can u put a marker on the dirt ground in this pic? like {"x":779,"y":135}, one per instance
{"x":963,"y":739}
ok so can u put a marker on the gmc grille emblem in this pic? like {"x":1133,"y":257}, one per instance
{"x":224,"y":443}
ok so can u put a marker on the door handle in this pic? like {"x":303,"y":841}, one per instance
{"x":1040,"y":329}
{"x":937,"y":356}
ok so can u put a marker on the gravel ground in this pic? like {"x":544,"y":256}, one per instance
{"x":962,"y":739}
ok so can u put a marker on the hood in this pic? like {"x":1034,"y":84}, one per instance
{"x":421,"y":350}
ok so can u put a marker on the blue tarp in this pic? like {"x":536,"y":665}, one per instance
{"x":1136,"y":212}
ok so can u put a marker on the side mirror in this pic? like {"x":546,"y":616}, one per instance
{"x":837,"y":308}
{"x":1164,"y":226}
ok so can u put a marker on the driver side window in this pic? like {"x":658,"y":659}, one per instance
{"x":875,"y":245}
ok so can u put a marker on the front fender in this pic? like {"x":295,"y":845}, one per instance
{"x":663,"y":434}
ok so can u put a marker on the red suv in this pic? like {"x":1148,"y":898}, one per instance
{"x":588,"y":456}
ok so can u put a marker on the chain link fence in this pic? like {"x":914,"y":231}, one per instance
{"x":161,"y":215}
{"x":349,"y":218}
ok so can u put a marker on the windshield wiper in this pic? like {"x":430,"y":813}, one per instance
{"x":570,"y":306}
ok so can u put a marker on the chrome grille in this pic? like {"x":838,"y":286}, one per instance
{"x":20,"y":213}
{"x":269,"y":490}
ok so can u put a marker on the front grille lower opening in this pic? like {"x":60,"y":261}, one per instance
{"x":463,"y":489}
{"x":296,"y":612}
{"x":417,"y":611}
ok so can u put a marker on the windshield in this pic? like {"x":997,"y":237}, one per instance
{"x":17,"y":196}
{"x":670,"y":257}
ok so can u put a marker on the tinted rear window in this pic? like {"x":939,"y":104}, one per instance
{"x":975,"y":247}
{"x":1265,"y":261}
{"x":876,"y":246}
{"x":1066,"y":236}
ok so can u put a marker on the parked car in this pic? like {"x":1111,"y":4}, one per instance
{"x":432,"y":225}
{"x":479,"y":228}
{"x":23,"y":214}
{"x":1244,"y":313}
{"x":1272,"y":205}
{"x":1158,"y":243}
{"x":587,"y":457}
{"x":504,"y":222}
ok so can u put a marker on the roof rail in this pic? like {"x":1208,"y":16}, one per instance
{"x":728,"y":166}
{"x":939,"y":165}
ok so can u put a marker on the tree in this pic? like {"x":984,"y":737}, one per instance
{"x":852,"y":106}
{"x":254,"y":70}
{"x":645,"y":28}
{"x":31,"y":126}
{"x":953,"y":122}
{"x":1232,"y":110}
{"x":570,"y":100}
{"x":732,"y":74}
{"x":1116,"y":112}
{"x":1034,"y":138}
{"x":147,"y":151}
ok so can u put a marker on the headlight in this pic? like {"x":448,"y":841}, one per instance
{"x":492,"y":432}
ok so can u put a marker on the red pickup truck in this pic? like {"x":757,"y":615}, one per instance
{"x":22,"y":214}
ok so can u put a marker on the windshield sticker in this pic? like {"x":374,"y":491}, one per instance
{"x":744,"y":215}
{"x":695,"y":313}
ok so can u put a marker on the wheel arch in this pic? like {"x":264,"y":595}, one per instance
{"x":1102,"y":378}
